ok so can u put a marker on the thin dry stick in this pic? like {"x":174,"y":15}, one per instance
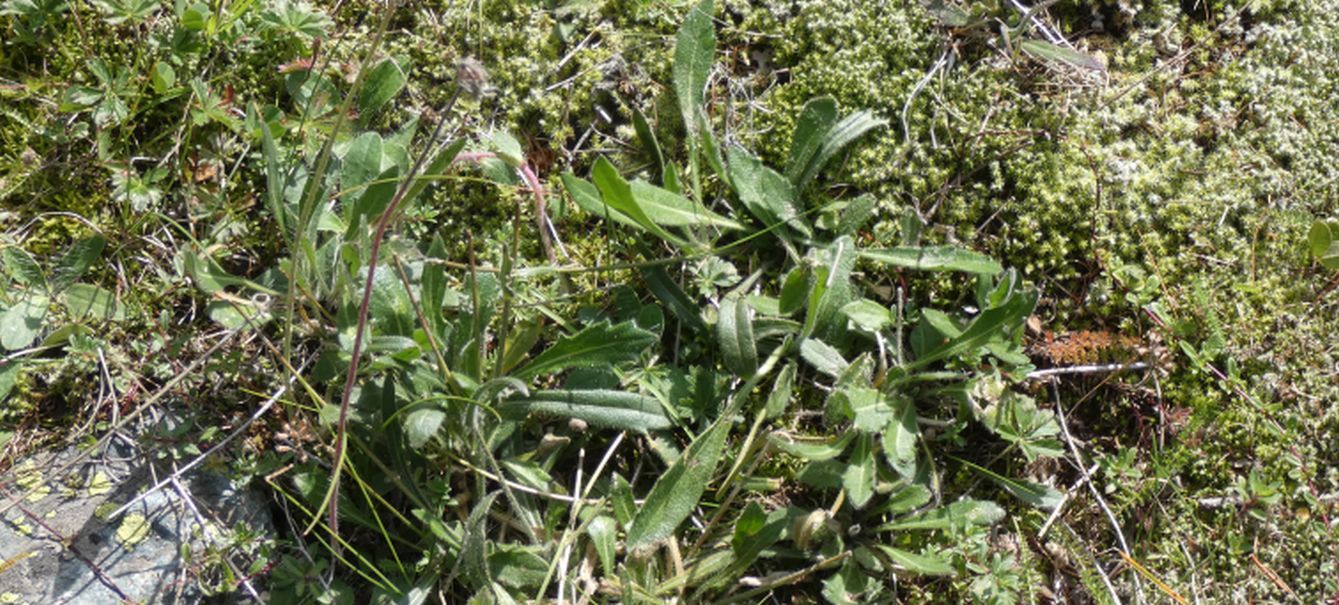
{"x":1101,"y":502}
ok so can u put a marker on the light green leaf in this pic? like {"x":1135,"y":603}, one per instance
{"x":382,"y":83}
{"x":816,"y":120}
{"x":620,"y":496}
{"x":670,"y":209}
{"x":597,"y":345}
{"x":781,"y":391}
{"x":900,"y":435}
{"x":609,"y":409}
{"x":868,"y":315}
{"x":958,"y":514}
{"x":817,"y":450}
{"x":507,"y":148}
{"x":90,"y":301}
{"x":694,"y":52}
{"x":929,"y":565}
{"x":20,"y":324}
{"x":734,"y":332}
{"x":1320,"y":238}
{"x":765,"y":193}
{"x":990,"y":324}
{"x":906,"y":499}
{"x":617,"y":193}
{"x":823,"y":357}
{"x":677,"y":491}
{"x":275,"y":178}
{"x":587,"y":197}
{"x":162,"y":77}
{"x":433,"y":170}
{"x":421,"y":424}
{"x":858,"y":479}
{"x":1041,"y":496}
{"x":362,"y":161}
{"x":603,"y":534}
{"x":1059,"y":55}
{"x":935,"y":258}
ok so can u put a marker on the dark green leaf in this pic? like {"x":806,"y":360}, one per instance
{"x":900,"y":435}
{"x":609,"y":409}
{"x":858,"y":479}
{"x":382,"y":83}
{"x":647,"y":137}
{"x":677,"y":491}
{"x":668,"y":292}
{"x":23,"y":268}
{"x":9,"y":374}
{"x":765,"y":193}
{"x":598,"y":345}
{"x":734,"y":332}
{"x":76,"y":262}
{"x":816,"y":120}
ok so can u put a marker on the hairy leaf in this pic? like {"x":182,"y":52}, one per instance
{"x":929,"y":565}
{"x":812,"y":450}
{"x":734,"y":332}
{"x":677,"y":491}
{"x":836,"y":139}
{"x":670,"y":209}
{"x":935,"y":258}
{"x":76,"y":262}
{"x":899,"y":436}
{"x":958,"y":514}
{"x":765,"y":193}
{"x":597,"y":345}
{"x":816,"y":120}
{"x":609,"y":409}
{"x":694,"y":52}
{"x":1059,"y":55}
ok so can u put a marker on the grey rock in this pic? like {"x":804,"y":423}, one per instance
{"x":57,"y":545}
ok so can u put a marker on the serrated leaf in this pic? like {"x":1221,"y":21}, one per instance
{"x":818,"y":450}
{"x":677,"y":491}
{"x":764,"y":192}
{"x":599,"y":344}
{"x":836,"y":139}
{"x":929,"y":565}
{"x":670,"y":209}
{"x":605,"y":408}
{"x":694,"y":52}
{"x":817,"y":118}
{"x":935,"y":258}
{"x":858,"y":479}
{"x":382,"y":83}
{"x":958,"y":514}
{"x":76,"y":262}
{"x":734,"y":333}
{"x":1051,"y":53}
{"x":900,"y":435}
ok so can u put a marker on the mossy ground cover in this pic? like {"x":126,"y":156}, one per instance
{"x":1160,"y":206}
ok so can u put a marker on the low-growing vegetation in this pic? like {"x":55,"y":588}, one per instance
{"x":592,"y":300}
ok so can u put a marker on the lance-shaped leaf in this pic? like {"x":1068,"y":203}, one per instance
{"x":675,"y":494}
{"x":989,"y":325}
{"x":765,"y":193}
{"x":899,"y":436}
{"x":597,"y":345}
{"x":858,"y":478}
{"x":816,"y":120}
{"x":929,"y":565}
{"x":384,"y":81}
{"x":664,"y":207}
{"x":76,"y":262}
{"x":667,"y":291}
{"x":935,"y":258}
{"x":811,"y":450}
{"x":1059,"y":55}
{"x":694,"y":51}
{"x":958,"y":514}
{"x":587,"y":197}
{"x":617,"y":193}
{"x":605,"y":408}
{"x":734,"y":331}
{"x":836,"y":139}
